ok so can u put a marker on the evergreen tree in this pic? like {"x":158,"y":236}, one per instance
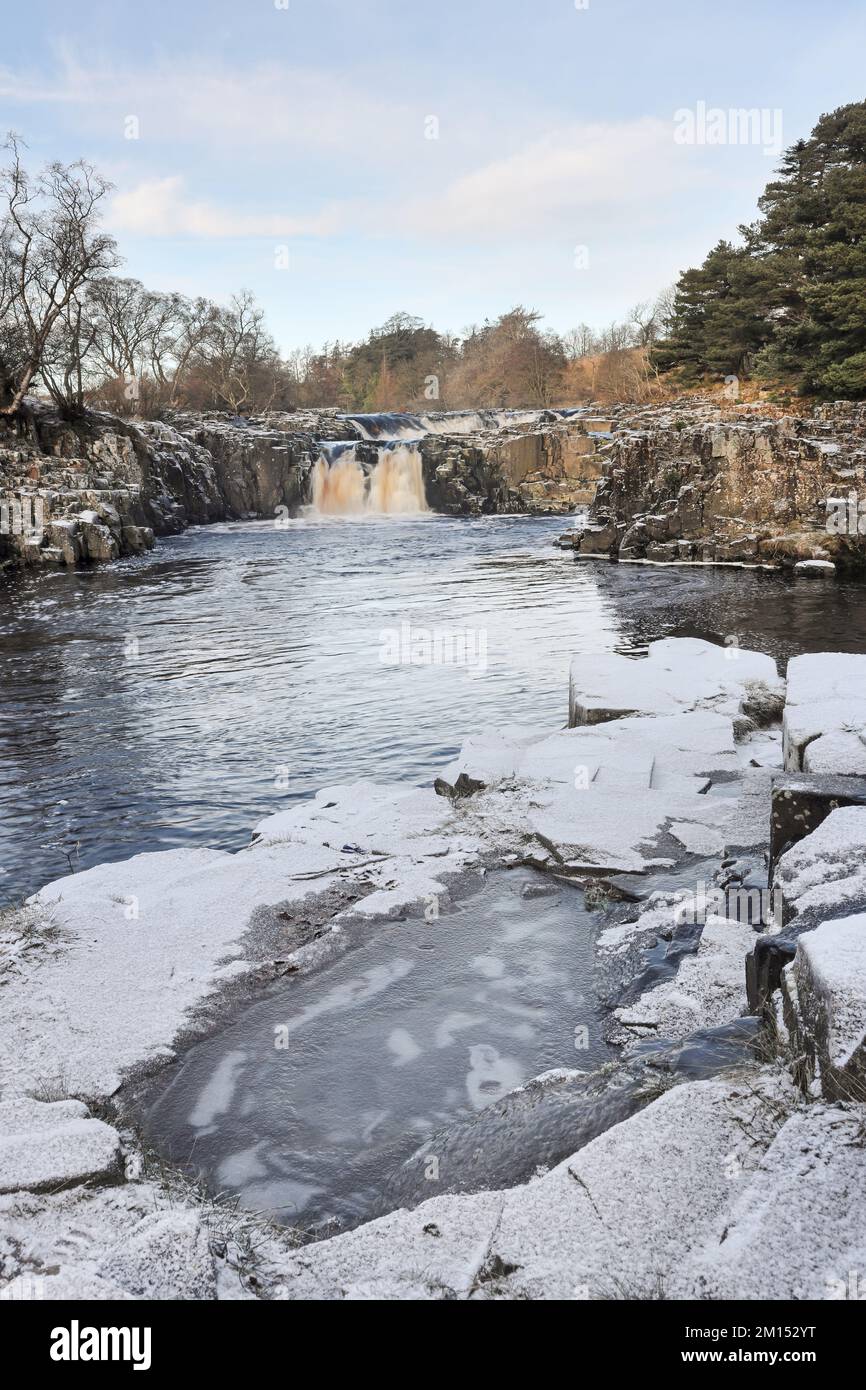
{"x":792,"y":299}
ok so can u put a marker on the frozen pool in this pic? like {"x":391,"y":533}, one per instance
{"x":307,"y":1104}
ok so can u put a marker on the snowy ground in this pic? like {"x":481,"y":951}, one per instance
{"x":106,"y":975}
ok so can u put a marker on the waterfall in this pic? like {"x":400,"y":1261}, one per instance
{"x":394,"y":484}
{"x":398,"y":425}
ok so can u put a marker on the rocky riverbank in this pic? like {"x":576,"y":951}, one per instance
{"x":692,"y":481}
{"x":714,"y":1159}
{"x":696,"y":482}
{"x":103,"y":487}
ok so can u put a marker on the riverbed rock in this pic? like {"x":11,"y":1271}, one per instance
{"x":824,"y":724}
{"x":680,"y":673}
{"x":48,"y":1146}
{"x":826,"y":1001}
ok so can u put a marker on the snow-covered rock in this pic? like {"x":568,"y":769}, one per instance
{"x":815,"y":569}
{"x":824,"y":723}
{"x":824,"y":875}
{"x":602,"y":795}
{"x":46,"y":1146}
{"x":678,"y":674}
{"x":131,"y":948}
{"x":797,"y":1229}
{"x":708,"y":989}
{"x":829,"y":978}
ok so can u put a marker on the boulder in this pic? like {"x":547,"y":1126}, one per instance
{"x":45,"y":1146}
{"x":824,"y":876}
{"x":598,"y":540}
{"x":824,"y":726}
{"x":678,"y":674}
{"x":826,"y":1005}
{"x":97,"y":542}
{"x":815,"y":569}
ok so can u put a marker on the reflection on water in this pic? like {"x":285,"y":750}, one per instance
{"x":179,"y":697}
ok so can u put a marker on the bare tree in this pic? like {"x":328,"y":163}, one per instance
{"x":237,"y":358}
{"x":65,"y":366}
{"x":124,"y":315}
{"x":644,"y":323}
{"x":579,"y":342}
{"x":51,"y":247}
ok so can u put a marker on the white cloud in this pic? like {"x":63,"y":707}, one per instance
{"x":263,"y":107}
{"x":160,"y":208}
{"x":576,"y":177}
{"x":587,"y":182}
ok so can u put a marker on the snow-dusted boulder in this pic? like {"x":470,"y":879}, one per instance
{"x":49,"y":1145}
{"x":797,"y":1229}
{"x":825,"y":713}
{"x":824,"y":875}
{"x":678,"y":674}
{"x":827,"y":996}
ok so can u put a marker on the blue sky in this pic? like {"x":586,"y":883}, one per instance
{"x":301,"y":134}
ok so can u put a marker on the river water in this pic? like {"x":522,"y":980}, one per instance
{"x":177,"y":698}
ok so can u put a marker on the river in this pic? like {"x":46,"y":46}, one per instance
{"x":179,"y":697}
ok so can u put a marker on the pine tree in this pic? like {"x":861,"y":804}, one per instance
{"x":792,"y":299}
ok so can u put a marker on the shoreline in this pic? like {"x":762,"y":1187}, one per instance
{"x":417,"y":848}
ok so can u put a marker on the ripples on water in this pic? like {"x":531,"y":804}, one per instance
{"x":177,"y":698}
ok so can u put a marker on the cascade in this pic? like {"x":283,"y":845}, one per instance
{"x":341,"y":486}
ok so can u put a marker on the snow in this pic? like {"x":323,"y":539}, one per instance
{"x":587,"y":1229}
{"x":49,"y":1145}
{"x":825,"y":872}
{"x":708,"y":989}
{"x":698,"y":839}
{"x":125,"y":1242}
{"x":814,"y":567}
{"x":796,"y":1230}
{"x":830,"y":968}
{"x":603,"y":795}
{"x":138,"y":944}
{"x":825,"y":713}
{"x":678,"y":674}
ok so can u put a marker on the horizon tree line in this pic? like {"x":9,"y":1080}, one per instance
{"x":73,"y":328}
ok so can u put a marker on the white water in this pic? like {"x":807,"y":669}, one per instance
{"x":395,"y":485}
{"x":396,"y":425}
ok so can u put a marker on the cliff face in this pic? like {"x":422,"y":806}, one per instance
{"x":98,"y":489}
{"x":549,"y":467}
{"x":104,"y":487}
{"x":695,"y":482}
{"x":684,"y":482}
